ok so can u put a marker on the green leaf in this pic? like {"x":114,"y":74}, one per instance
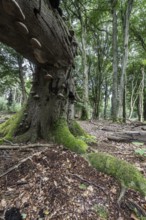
{"x":138,"y":143}
{"x":24,"y":215}
{"x":142,"y":152}
{"x":82,"y":186}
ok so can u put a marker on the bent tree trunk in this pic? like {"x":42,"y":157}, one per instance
{"x":39,"y":34}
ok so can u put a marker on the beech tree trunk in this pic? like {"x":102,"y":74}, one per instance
{"x":40,"y":35}
{"x":114,"y":111}
{"x":141,"y":97}
{"x":125,"y":56}
{"x":85,"y":111}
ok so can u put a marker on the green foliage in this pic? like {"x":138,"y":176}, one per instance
{"x":101,"y":211}
{"x":16,"y":107}
{"x":136,"y":143}
{"x":76,"y":129}
{"x":3,"y":104}
{"x":124,"y":172}
{"x":141,"y":152}
{"x":64,"y":136}
{"x":83,"y":186}
{"x":88,"y":139}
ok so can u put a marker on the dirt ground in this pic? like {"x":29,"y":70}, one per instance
{"x":48,"y":182}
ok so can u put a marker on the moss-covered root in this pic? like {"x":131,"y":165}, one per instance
{"x":63,"y":136}
{"x":124,"y":172}
{"x":79,"y":132}
{"x":8,"y":128}
{"x":76,"y":129}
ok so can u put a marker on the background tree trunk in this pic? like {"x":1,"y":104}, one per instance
{"x":21,"y":77}
{"x":141,"y":97}
{"x":114,"y":111}
{"x":125,"y":56}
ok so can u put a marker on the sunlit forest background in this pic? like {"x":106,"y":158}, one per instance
{"x":109,"y":69}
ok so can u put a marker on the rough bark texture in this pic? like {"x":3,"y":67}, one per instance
{"x":40,"y":35}
{"x":46,"y":26}
{"x":129,"y":136}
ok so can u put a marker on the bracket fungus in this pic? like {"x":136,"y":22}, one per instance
{"x":22,"y":27}
{"x":11,"y":7}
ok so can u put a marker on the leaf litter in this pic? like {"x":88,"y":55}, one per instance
{"x":56,"y":184}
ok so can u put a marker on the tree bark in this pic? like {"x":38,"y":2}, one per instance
{"x":85,"y":112}
{"x":129,"y":136}
{"x":114,"y":111}
{"x":21,"y":77}
{"x":55,"y":45}
{"x":125,"y":56}
{"x":40,"y":35}
{"x":141,"y":97}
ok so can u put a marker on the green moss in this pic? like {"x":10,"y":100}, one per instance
{"x":79,"y":132}
{"x":76,"y":129}
{"x":124,"y":172}
{"x":63,"y":136}
{"x":101,"y":211}
{"x":8,"y":128}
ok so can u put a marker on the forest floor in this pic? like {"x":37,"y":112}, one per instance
{"x":48,"y":182}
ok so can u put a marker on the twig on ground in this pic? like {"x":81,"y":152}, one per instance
{"x":20,"y":162}
{"x":20,"y":147}
{"x":87,"y":181}
{"x":9,"y":142}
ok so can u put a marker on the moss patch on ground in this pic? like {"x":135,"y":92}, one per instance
{"x":63,"y":136}
{"x":8,"y":128}
{"x":124,"y":172}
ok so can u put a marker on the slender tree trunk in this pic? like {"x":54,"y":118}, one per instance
{"x":133,"y":98}
{"x":124,"y":105}
{"x":21,"y":77}
{"x":141,"y":97}
{"x":105,"y":100}
{"x":85,"y":111}
{"x":125,"y":56}
{"x":114,"y":111}
{"x":145,"y":106}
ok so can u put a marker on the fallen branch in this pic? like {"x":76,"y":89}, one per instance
{"x":138,"y":210}
{"x":128,"y":136}
{"x":7,"y":141}
{"x":20,"y":147}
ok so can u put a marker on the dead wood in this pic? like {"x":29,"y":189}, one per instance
{"x":128,"y":136}
{"x":138,"y":210}
{"x":20,"y":147}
